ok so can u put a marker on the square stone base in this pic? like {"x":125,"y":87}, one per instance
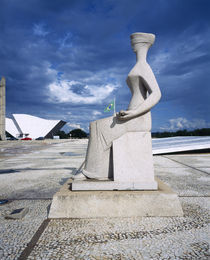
{"x":105,"y":204}
{"x":112,"y":185}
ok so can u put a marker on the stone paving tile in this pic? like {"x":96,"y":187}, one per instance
{"x":192,"y":160}
{"x":129,"y":238}
{"x":39,"y":183}
{"x":163,"y":162}
{"x":185,"y":181}
{"x":206,"y":170}
{"x":10,"y":149}
{"x":41,"y":174}
{"x":16,"y":234}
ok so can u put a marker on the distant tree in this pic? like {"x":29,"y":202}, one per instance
{"x":202,"y":132}
{"x":62,"y":134}
{"x":77,"y":133}
{"x":8,"y":134}
{"x":196,"y":132}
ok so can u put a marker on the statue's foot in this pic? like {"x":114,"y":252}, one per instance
{"x":79,"y":176}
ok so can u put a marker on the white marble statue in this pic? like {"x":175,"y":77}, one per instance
{"x":137,"y":118}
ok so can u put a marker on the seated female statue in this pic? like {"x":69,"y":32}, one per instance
{"x":137,"y":118}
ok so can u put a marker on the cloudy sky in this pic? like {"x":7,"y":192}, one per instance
{"x":67,"y":59}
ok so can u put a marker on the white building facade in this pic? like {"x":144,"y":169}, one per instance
{"x":23,"y":125}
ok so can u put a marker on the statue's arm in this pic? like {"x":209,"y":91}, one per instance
{"x":153,"y":89}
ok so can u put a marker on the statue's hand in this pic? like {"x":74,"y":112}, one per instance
{"x":125,"y":115}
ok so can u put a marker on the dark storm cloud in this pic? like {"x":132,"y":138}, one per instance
{"x":51,"y":43}
{"x":180,"y":68}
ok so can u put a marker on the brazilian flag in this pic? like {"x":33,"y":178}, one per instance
{"x":109,"y":107}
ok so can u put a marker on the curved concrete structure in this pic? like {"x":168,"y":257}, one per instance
{"x":32,"y":126}
{"x":11,"y":128}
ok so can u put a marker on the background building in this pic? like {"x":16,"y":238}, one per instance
{"x":22,"y":125}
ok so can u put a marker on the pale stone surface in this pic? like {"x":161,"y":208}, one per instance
{"x":38,"y":169}
{"x":99,"y":204}
{"x":132,"y":157}
{"x":137,"y":118}
{"x":86,"y":185}
{"x":103,"y":238}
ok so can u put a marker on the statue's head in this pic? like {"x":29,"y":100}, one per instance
{"x":141,"y":39}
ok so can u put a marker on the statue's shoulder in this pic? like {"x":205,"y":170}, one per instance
{"x":139,"y":70}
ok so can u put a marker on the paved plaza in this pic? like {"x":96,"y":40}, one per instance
{"x":32,"y":172}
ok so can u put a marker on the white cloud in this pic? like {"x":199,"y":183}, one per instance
{"x":65,"y":41}
{"x":174,"y":54}
{"x":160,"y":60}
{"x":181,"y":123}
{"x":96,"y":113}
{"x":64,"y":92}
{"x":38,"y":29}
{"x":74,"y":126}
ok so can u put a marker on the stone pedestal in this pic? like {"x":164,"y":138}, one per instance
{"x":101,"y":204}
{"x":132,"y":158}
{"x":132,"y":165}
{"x":133,"y":161}
{"x":112,"y":185}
